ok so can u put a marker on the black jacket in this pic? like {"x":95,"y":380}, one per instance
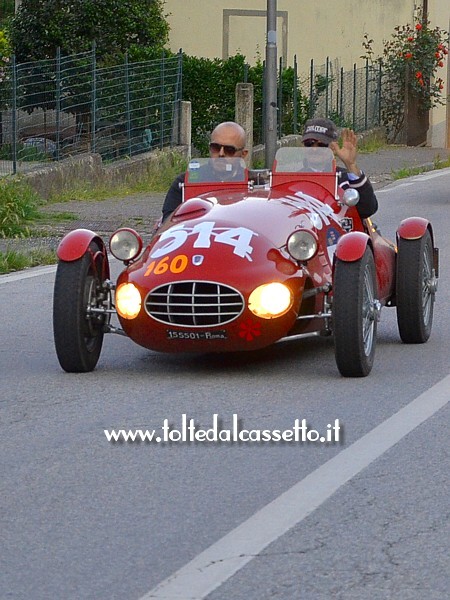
{"x":368,"y":203}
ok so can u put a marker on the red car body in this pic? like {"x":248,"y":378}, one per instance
{"x":230,"y":236}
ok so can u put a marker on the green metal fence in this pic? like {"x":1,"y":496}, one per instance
{"x":53,"y":109}
{"x":351,"y":98}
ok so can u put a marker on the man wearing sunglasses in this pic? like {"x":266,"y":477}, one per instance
{"x":228,"y":140}
{"x":323,"y":133}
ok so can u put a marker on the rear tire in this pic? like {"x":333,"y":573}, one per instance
{"x":416,"y":287}
{"x":78,"y":335}
{"x":355,"y":315}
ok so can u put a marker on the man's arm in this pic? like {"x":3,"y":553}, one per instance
{"x":352,"y":176}
{"x":173,"y":197}
{"x":368,"y":203}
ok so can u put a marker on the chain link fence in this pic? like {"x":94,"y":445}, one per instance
{"x":53,"y":109}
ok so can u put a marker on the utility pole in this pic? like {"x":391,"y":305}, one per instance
{"x":271,"y":109}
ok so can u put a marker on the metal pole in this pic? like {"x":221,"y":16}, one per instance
{"x":295,"y":123}
{"x":58,"y":102}
{"x":93,"y":98}
{"x":271,"y":84}
{"x":14,"y":113}
{"x":128,"y":102}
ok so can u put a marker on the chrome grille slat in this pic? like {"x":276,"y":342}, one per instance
{"x":194,"y":303}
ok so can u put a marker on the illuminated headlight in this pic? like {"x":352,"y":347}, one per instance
{"x":128,"y":301}
{"x":302,"y":244}
{"x":270,"y":300}
{"x":125,"y":244}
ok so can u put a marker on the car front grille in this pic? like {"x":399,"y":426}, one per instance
{"x":194,"y":303}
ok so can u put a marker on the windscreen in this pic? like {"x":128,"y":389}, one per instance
{"x":216,"y":170}
{"x":304,"y":160}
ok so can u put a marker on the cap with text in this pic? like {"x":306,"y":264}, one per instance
{"x":322,"y":130}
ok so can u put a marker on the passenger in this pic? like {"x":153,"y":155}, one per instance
{"x":323,"y":133}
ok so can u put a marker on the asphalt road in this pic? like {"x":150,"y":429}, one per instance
{"x":367,"y":517}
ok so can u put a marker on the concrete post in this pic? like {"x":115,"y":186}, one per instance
{"x":183,"y":128}
{"x":244,"y":114}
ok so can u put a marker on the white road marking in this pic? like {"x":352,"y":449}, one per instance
{"x":34,"y":272}
{"x":37,"y":271}
{"x":227,"y":556}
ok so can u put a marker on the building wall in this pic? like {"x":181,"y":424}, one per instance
{"x":306,"y":29}
{"x":439,"y":132}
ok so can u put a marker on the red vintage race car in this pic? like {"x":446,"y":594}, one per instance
{"x":245,"y":262}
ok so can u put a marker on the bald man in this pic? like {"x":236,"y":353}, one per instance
{"x":228,"y":140}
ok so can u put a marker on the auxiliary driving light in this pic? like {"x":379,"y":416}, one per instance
{"x":270,"y":300}
{"x":125,"y":244}
{"x":128,"y":301}
{"x":302,"y":244}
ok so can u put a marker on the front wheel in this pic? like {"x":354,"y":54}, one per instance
{"x":355,"y":315}
{"x":78,"y":333}
{"x":416,"y":288}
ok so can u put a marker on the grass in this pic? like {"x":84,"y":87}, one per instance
{"x":438,"y":163}
{"x":158,"y":179}
{"x":12,"y":260}
{"x":20,"y":216}
{"x":18,"y":208}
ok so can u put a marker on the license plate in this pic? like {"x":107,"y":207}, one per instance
{"x":220,"y":334}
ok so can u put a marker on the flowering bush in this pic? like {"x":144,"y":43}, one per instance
{"x":5,"y":52}
{"x":410,"y":67}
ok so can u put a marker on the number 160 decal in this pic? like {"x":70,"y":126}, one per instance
{"x":176,"y":265}
{"x":239,"y":238}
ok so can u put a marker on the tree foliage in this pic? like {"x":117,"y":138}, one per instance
{"x":40,"y":27}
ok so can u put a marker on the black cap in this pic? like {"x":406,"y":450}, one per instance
{"x":322,"y":130}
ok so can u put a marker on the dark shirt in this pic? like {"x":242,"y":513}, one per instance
{"x":174,"y":197}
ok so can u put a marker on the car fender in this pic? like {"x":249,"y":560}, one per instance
{"x":351,"y":246}
{"x":75,"y":244}
{"x":413,"y":228}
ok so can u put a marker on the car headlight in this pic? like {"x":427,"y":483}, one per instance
{"x":128,"y":300}
{"x":302,"y":244}
{"x":125,"y":244}
{"x":270,"y":300}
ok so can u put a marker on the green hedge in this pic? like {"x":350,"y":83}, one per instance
{"x":210,"y":86}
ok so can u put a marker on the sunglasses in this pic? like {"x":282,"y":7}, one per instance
{"x":228,"y":150}
{"x":315,"y":143}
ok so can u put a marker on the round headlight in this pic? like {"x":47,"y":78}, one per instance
{"x":128,"y":301}
{"x":302,"y":244}
{"x":270,"y":300}
{"x":125,"y":244}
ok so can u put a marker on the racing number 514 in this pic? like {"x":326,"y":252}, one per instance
{"x":238,"y":238}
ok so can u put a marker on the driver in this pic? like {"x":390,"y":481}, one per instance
{"x":323,"y":133}
{"x":228,"y":140}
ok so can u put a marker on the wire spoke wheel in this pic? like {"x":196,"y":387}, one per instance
{"x":78,"y":332}
{"x":355,"y":315}
{"x":416,"y":285}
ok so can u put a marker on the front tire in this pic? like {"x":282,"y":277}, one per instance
{"x":78,"y":335}
{"x":416,"y":287}
{"x":355,"y":315}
